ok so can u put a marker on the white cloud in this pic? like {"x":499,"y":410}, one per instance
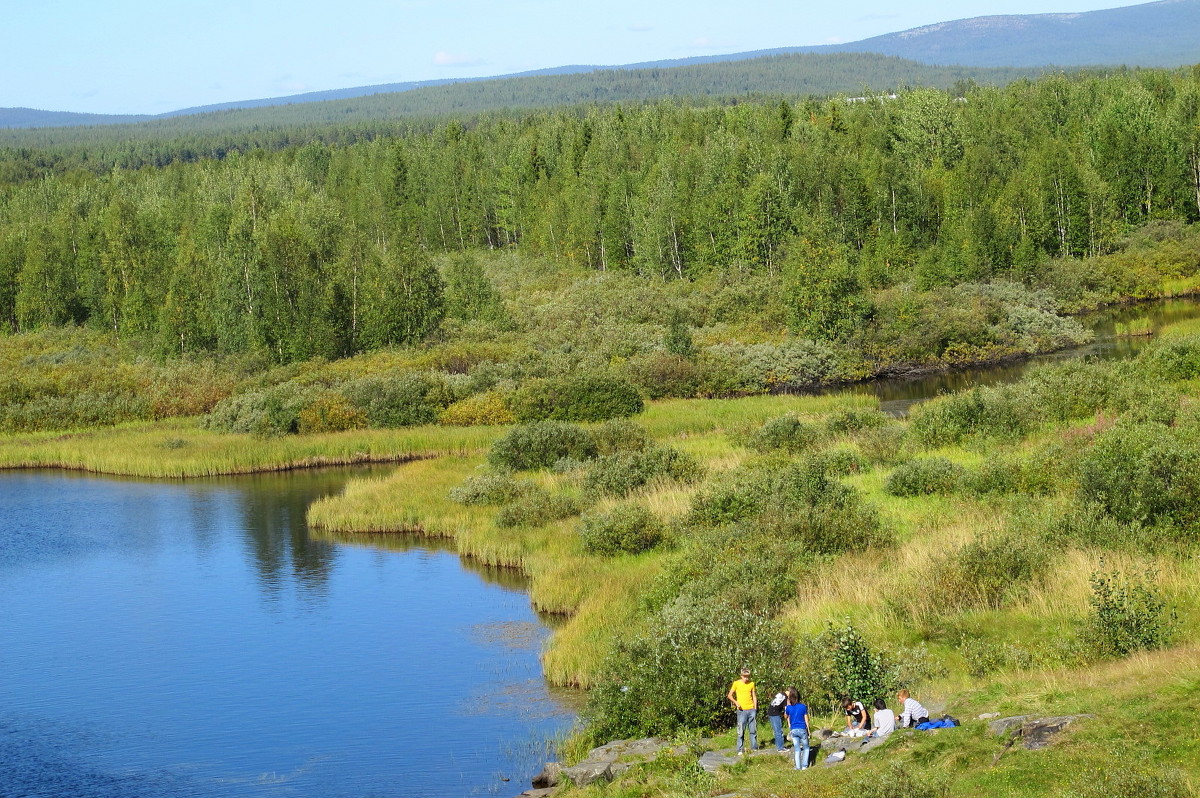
{"x":443,"y":58}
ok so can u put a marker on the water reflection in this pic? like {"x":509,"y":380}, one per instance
{"x":191,"y":638}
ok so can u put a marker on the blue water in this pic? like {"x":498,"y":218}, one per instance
{"x":192,"y":639}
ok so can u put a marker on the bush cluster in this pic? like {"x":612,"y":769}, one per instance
{"x":540,"y":445}
{"x":786,"y":434}
{"x":674,"y":676}
{"x":536,"y":506}
{"x":621,"y":474}
{"x":587,"y":397}
{"x":924,"y":476}
{"x":1128,"y":614}
{"x":481,"y":409}
{"x":988,"y":572}
{"x":624,"y":529}
{"x":403,"y":400}
{"x":495,"y":488}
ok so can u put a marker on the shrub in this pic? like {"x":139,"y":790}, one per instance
{"x":620,"y":474}
{"x":661,"y":374}
{"x":536,"y":506}
{"x":924,"y":477}
{"x":882,"y":445}
{"x":330,"y":411}
{"x":848,"y":420}
{"x":898,"y":781}
{"x":1143,"y":473}
{"x":839,"y":662}
{"x":482,"y":409}
{"x":786,"y":433}
{"x":489,"y":489}
{"x":674,"y":676}
{"x":988,"y":412}
{"x":619,"y":435}
{"x":1128,"y":614}
{"x":988,"y":571}
{"x":540,"y":445}
{"x":1173,"y":359}
{"x":399,"y":401}
{"x":588,"y":397}
{"x":625,"y":529}
{"x":984,"y":658}
{"x":273,"y":411}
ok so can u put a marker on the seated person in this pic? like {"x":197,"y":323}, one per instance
{"x":911,"y":711}
{"x":885,"y":719}
{"x":858,"y":722}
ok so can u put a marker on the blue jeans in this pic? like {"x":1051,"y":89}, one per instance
{"x":747,"y":717}
{"x":800,"y":747}
{"x":777,"y":727}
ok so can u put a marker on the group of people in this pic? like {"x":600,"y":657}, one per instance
{"x":786,"y":707}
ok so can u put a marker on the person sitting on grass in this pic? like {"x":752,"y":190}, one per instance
{"x":911,"y":711}
{"x":885,"y":719}
{"x":858,"y":722}
{"x":797,"y":717}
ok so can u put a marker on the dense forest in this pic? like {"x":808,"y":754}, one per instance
{"x":325,"y":250}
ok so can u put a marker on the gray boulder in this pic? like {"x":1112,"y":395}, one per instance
{"x":1007,"y":725}
{"x":548,"y":777}
{"x":712,"y":761}
{"x":1038,"y":733}
{"x":589,"y":771}
{"x":542,"y":793}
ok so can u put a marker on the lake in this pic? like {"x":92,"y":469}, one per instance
{"x":192,"y":639}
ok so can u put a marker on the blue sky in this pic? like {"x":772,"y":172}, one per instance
{"x":151,"y":56}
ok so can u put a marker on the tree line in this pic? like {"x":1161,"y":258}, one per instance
{"x":327,"y":248}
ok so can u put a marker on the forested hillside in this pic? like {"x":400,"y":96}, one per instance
{"x":314,"y":250}
{"x":792,"y":75}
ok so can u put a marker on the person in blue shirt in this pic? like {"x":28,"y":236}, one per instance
{"x":797,"y":717}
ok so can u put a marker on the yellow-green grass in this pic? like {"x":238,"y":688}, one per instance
{"x":182,"y":448}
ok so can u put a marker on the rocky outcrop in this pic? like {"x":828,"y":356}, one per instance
{"x":601,"y":764}
{"x":1034,"y":733}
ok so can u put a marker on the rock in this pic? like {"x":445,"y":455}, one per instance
{"x":549,"y":776}
{"x":588,"y":771}
{"x":646,"y":747}
{"x":543,"y":793}
{"x":712,"y":761}
{"x":988,"y":716}
{"x":1037,"y":733}
{"x":834,"y":758}
{"x":1006,"y":725}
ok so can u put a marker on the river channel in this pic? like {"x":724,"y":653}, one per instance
{"x":180,"y":639}
{"x":163,"y":639}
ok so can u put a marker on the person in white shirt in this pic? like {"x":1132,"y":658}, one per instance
{"x":911,"y":711}
{"x":885,"y":720}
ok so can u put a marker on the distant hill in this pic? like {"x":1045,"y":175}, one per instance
{"x":1162,"y":34}
{"x":795,"y":75}
{"x":1159,"y":34}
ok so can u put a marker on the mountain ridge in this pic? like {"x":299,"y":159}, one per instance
{"x":1165,"y":33}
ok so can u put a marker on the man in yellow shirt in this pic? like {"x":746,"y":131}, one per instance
{"x":744,"y":698}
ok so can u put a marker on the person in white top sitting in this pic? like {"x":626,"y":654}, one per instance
{"x":911,"y":711}
{"x":885,"y":720}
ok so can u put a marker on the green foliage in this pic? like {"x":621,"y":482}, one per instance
{"x":1128,"y":614}
{"x":851,"y":420}
{"x":493,"y":488}
{"x":662,"y":374}
{"x":986,"y":412}
{"x":469,"y":294}
{"x":840,"y":663}
{"x":487,"y":408}
{"x":619,"y":436}
{"x":786,"y":433}
{"x":674,"y":676}
{"x":621,"y":474}
{"x":925,"y":476}
{"x":1143,"y":473}
{"x":272,"y":411}
{"x":588,"y":397}
{"x":624,"y":529}
{"x":540,"y":445}
{"x":678,"y":340}
{"x":403,"y":400}
{"x":1174,"y":359}
{"x":330,"y":411}
{"x":536,"y":506}
{"x":989,"y":571}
